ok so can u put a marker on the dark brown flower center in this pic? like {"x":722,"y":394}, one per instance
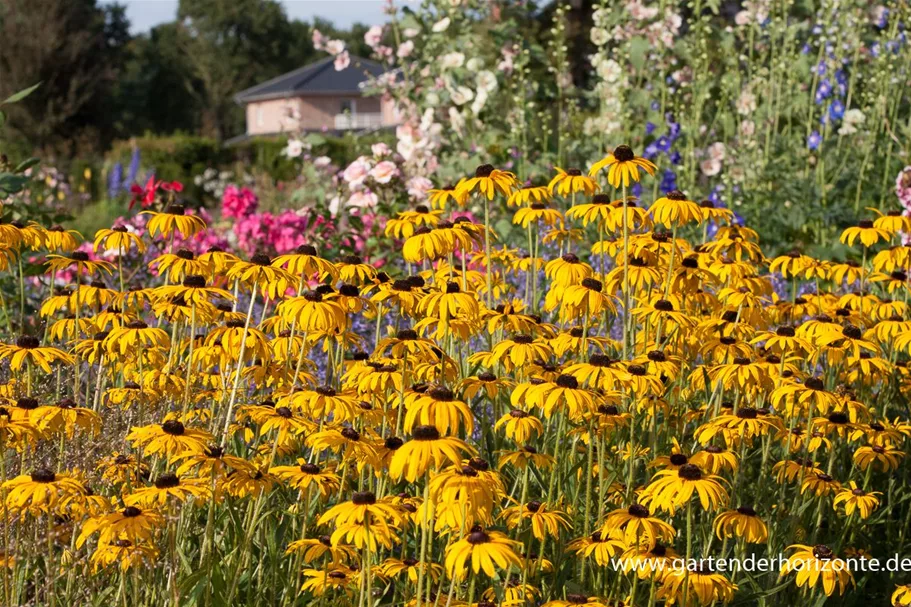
{"x":425,"y":433}
{"x":364,"y":498}
{"x":689,"y":472}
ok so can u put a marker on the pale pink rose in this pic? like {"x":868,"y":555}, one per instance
{"x":380,"y":149}
{"x":334,"y":47}
{"x":356,"y":173}
{"x":747,"y":128}
{"x":365,"y":199}
{"x":710,"y":167}
{"x":418,"y":187}
{"x":342,"y":61}
{"x":374,"y":36}
{"x":405,"y":49}
{"x":717,"y":151}
{"x":319,"y":40}
{"x":384,"y":171}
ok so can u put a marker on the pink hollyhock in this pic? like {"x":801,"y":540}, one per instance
{"x":252,"y":232}
{"x":903,"y":187}
{"x":287,"y":232}
{"x":238,"y":202}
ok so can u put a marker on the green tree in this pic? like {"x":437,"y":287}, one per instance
{"x":73,"y":47}
{"x":231,"y":45}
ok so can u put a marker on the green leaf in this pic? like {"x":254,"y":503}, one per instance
{"x":26,"y":164}
{"x":11,"y":183}
{"x":315,"y":139}
{"x":638,"y":51}
{"x":20,"y":95}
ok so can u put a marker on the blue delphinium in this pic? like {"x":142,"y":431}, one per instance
{"x":115,"y":181}
{"x":814,"y":140}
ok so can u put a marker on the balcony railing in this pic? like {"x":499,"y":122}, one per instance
{"x":358,"y":121}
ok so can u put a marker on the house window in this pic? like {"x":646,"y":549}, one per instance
{"x":260,"y":117}
{"x":348,"y":106}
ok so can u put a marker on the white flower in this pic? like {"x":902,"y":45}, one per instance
{"x":457,"y":121}
{"x":479,"y":101}
{"x":717,"y":151}
{"x":334,"y":47}
{"x":322,"y":162}
{"x":710,"y":166}
{"x":334,"y":204}
{"x":452,"y":60}
{"x":410,"y":32}
{"x":474,"y":64}
{"x":747,"y":128}
{"x":746,"y":103}
{"x":440,"y":26}
{"x":374,"y":36}
{"x":342,"y":61}
{"x":432,"y":99}
{"x":599,"y":36}
{"x":486,"y":80}
{"x":405,"y":49}
{"x":294,"y":148}
{"x":384,"y":171}
{"x":380,"y":149}
{"x":461,"y":95}
{"x":855,"y":116}
{"x":743,"y":18}
{"x":609,"y":71}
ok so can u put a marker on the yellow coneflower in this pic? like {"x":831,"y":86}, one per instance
{"x":636,"y":524}
{"x":118,"y":239}
{"x":623,"y":166}
{"x":572,"y":181}
{"x":818,"y":564}
{"x":427,"y":448}
{"x":174,"y":219}
{"x":743,"y":523}
{"x":27,"y":350}
{"x":544,"y":522}
{"x":81,"y":261}
{"x":675,"y":209}
{"x":486,"y":550}
{"x":489,"y":181}
{"x":40,"y":491}
{"x":440,"y":197}
{"x":671,"y":489}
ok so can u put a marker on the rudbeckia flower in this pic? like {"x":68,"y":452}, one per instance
{"x":28,"y":351}
{"x":674,"y":210}
{"x":818,"y":565}
{"x":623,"y":166}
{"x":488,"y":181}
{"x":40,"y":491}
{"x":174,"y":219}
{"x":170,"y":438}
{"x":671,"y":489}
{"x":742,"y":523}
{"x":572,"y":181}
{"x":486,"y":550}
{"x":118,"y":239}
{"x":426,"y":449}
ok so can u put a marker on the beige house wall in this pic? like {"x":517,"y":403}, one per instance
{"x":313,"y":113}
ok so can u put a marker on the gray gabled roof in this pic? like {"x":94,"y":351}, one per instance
{"x":320,"y":78}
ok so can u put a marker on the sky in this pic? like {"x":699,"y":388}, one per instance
{"x":145,"y":14}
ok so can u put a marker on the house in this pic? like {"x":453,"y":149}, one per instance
{"x":317,"y":97}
